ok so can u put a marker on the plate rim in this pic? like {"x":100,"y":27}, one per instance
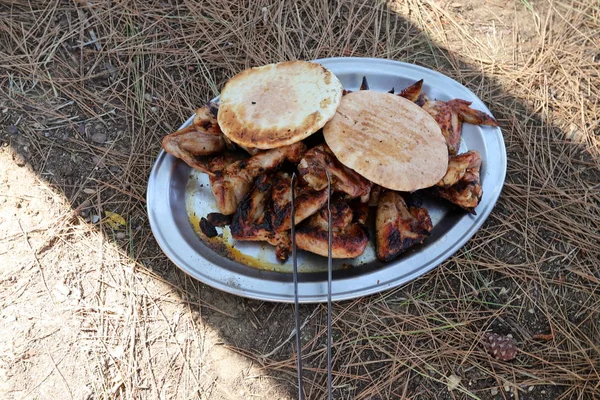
{"x":314,"y":292}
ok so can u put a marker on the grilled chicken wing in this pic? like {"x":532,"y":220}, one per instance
{"x":461,"y":185}
{"x":451,"y":114}
{"x":203,"y":137}
{"x":349,"y":235}
{"x":398,"y":226}
{"x":413,"y":91}
{"x":308,"y":202}
{"x":252,"y":220}
{"x":230,"y":185}
{"x":319,"y":159}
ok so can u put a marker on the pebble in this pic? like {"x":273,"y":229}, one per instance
{"x":121,"y":235}
{"x":530,"y":389}
{"x":148,"y":96}
{"x":47,"y":134}
{"x":506,"y":387}
{"x":154,"y":109}
{"x":95,"y":219}
{"x":89,"y":191}
{"x":19,"y":159}
{"x":494,"y":391}
{"x":99,"y":137}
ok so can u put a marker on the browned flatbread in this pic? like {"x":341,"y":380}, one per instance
{"x":389,"y":140}
{"x":278,"y":104}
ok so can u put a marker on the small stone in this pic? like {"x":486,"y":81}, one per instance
{"x":89,"y":191}
{"x":154,"y":109}
{"x":506,"y":387}
{"x":95,"y":219}
{"x":47,"y":134}
{"x":531,"y":311}
{"x":99,"y":137}
{"x":13,"y":130}
{"x":19,"y":159}
{"x":494,"y":391}
{"x":147,"y":96}
{"x":26,"y":149}
{"x":121,"y":235}
{"x":530,"y":389}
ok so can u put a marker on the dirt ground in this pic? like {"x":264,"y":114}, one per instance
{"x":92,"y":309}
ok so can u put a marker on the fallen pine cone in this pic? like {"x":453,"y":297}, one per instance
{"x":501,"y":347}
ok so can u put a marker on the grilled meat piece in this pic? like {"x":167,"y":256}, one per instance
{"x":364,"y":85}
{"x":218,"y":219}
{"x":252,"y":220}
{"x":203,"y":137}
{"x":349,"y":235}
{"x":412,"y":92}
{"x":230,"y":185}
{"x":398,"y":226}
{"x":461,"y":185}
{"x":319,"y":159}
{"x":450,"y":116}
{"x":308,"y":202}
{"x":207,"y":228}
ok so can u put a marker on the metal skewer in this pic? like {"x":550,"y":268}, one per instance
{"x":329,"y":280}
{"x":296,"y":305}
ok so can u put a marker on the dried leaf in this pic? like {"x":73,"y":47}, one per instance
{"x":114,"y":220}
{"x":453,"y":382}
{"x":501,"y":347}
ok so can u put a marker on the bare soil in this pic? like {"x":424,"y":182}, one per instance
{"x":92,"y":310}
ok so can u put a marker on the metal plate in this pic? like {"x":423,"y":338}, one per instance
{"x":178,"y":196}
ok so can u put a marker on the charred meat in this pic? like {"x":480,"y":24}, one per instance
{"x":412,"y":92}
{"x":461,"y":185}
{"x":348,"y":231}
{"x":252,"y":220}
{"x":308,"y":201}
{"x":450,"y":116}
{"x":230,"y":185}
{"x":399,"y":226}
{"x":318,"y":160}
{"x":202,"y":138}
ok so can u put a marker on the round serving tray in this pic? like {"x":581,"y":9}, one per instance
{"x":178,"y":196}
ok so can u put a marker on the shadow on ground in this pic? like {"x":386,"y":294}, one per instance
{"x":88,"y":90}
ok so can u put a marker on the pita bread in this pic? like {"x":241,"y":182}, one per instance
{"x":278,"y":104}
{"x":389,"y":140}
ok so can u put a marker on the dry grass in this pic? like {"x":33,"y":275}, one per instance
{"x":138,"y":69}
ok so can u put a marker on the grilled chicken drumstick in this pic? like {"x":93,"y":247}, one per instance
{"x":349,"y":233}
{"x":461,"y":184}
{"x":252,"y":221}
{"x":398,"y":226}
{"x":234,"y":182}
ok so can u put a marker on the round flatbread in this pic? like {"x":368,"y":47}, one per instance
{"x":278,"y":104}
{"x":389,"y":140}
